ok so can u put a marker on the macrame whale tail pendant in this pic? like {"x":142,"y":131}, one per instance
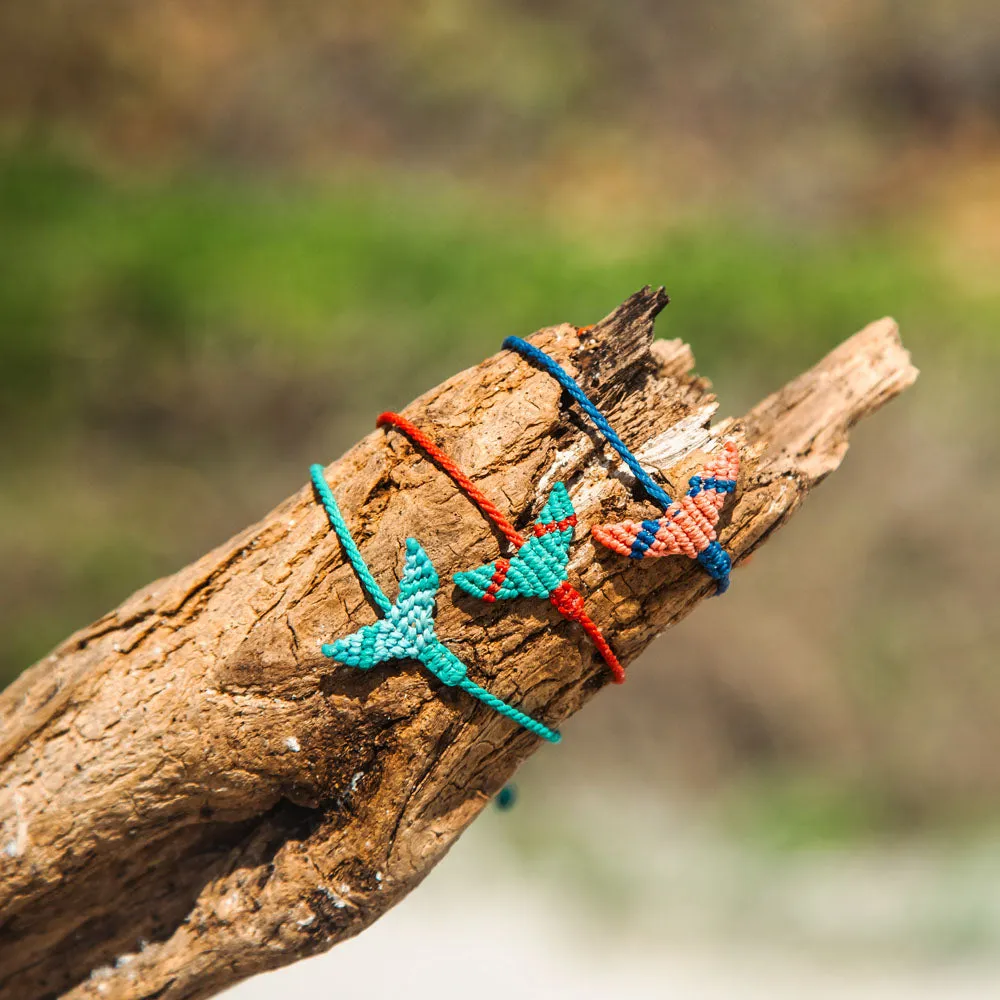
{"x":687,"y":526}
{"x":407,"y":631}
{"x":538,"y":569}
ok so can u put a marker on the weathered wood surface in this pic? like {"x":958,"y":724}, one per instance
{"x":190,"y":793}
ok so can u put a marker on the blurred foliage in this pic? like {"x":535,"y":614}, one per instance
{"x":818,"y":110}
{"x":99,"y":280}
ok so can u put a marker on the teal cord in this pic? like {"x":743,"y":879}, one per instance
{"x":407,"y":630}
{"x":532,"y":725}
{"x":339,"y":525}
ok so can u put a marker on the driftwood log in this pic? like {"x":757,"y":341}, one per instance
{"x":190,"y":793}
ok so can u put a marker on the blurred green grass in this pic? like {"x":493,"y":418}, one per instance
{"x":113,"y":275}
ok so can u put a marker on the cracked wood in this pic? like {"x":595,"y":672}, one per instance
{"x":190,"y":793}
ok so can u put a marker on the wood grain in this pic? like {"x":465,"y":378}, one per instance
{"x":190,"y":793}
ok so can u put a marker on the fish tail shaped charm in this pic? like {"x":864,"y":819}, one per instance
{"x":687,"y":526}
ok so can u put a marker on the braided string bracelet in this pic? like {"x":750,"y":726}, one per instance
{"x":537,"y":567}
{"x":407,"y":629}
{"x":687,"y":526}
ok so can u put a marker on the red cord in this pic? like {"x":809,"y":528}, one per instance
{"x":566,"y":599}
{"x":464,"y":483}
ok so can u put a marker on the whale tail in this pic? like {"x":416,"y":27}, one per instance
{"x":538,"y":567}
{"x":407,"y":628}
{"x":687,"y":526}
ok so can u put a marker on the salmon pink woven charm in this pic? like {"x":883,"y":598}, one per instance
{"x":687,"y":526}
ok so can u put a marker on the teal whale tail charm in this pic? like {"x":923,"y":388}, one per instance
{"x":538,"y":567}
{"x":407,"y":630}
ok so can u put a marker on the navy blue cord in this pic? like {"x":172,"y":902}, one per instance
{"x":656,"y":493}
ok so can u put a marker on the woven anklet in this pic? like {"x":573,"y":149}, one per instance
{"x":537,"y":567}
{"x":687,"y":526}
{"x":407,"y":630}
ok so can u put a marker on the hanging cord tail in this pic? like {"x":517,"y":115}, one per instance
{"x":464,"y":483}
{"x":506,"y":798}
{"x":538,"y":357}
{"x":718,"y":564}
{"x":565,"y":598}
{"x":568,"y":601}
{"x":339,"y":525}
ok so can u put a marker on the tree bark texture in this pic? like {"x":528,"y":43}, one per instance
{"x":190,"y":793}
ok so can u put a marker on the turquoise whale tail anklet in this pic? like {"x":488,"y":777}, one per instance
{"x":687,"y":526}
{"x":407,"y":629}
{"x":537,"y":566}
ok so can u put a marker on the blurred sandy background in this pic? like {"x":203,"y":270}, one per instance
{"x":231,"y":233}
